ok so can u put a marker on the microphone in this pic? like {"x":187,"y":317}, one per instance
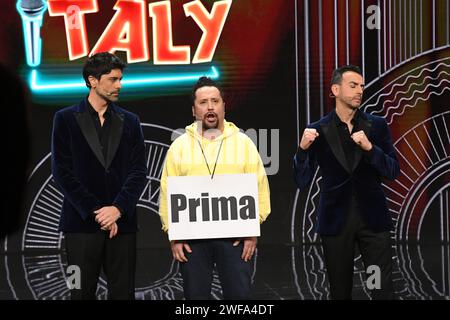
{"x":32,"y":12}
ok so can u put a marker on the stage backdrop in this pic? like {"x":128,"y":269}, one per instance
{"x":274,"y":59}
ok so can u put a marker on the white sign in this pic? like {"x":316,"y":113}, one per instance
{"x":203,"y":208}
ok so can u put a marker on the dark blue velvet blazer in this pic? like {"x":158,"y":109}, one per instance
{"x":339,"y":181}
{"x":87,"y":180}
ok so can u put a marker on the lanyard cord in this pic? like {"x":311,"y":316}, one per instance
{"x":206,"y":161}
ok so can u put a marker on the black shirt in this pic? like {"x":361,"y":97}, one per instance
{"x":345,"y":138}
{"x":103,"y":132}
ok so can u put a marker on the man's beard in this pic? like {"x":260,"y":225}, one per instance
{"x":206,"y":125}
{"x":111,"y":98}
{"x":351,"y":104}
{"x":108,"y":98}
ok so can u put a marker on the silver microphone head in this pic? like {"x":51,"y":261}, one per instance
{"x":30,"y":6}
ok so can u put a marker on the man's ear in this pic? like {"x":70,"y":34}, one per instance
{"x":335,"y":89}
{"x":93,"y":81}
{"x":193,"y":111}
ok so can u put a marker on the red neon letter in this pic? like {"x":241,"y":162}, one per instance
{"x":211,"y":25}
{"x":164,"y":52}
{"x":73,"y":12}
{"x":127,"y":31}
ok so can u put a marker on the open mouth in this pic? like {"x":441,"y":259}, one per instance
{"x":211,"y":116}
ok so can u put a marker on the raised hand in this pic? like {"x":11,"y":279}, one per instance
{"x":308,"y":137}
{"x":361,"y":140}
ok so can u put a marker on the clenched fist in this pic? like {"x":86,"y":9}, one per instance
{"x":308,"y":137}
{"x":361,"y":140}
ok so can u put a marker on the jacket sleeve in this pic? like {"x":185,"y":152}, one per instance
{"x":382,"y":156}
{"x":305,"y":164}
{"x":63,"y":174}
{"x":255,"y":165}
{"x":136,"y":179}
{"x":169,"y":169}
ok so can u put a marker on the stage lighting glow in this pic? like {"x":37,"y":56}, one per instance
{"x":136,"y":81}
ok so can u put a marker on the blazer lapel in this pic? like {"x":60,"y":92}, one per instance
{"x":87,"y":128}
{"x":364,"y":125}
{"x":114,"y":136}
{"x":332,"y":136}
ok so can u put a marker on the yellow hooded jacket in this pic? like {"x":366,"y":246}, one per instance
{"x":238,"y":154}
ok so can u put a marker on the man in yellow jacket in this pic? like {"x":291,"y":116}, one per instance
{"x":212,"y":146}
